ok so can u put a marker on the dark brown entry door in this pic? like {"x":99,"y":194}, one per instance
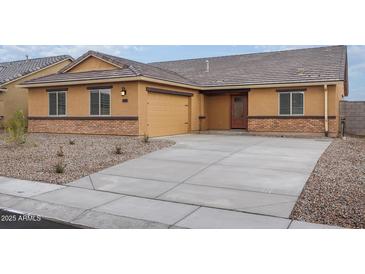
{"x":239,"y":111}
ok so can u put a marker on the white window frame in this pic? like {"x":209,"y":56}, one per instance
{"x":57,"y":115}
{"x":291,"y":103}
{"x":110,"y":102}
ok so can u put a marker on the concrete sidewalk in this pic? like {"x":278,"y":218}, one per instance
{"x":100,"y":209}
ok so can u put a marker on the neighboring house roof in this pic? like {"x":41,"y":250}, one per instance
{"x":293,"y":66}
{"x":10,"y":71}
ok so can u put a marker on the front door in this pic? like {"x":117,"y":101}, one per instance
{"x":239,"y":111}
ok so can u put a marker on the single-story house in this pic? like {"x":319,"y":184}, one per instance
{"x":293,"y":91}
{"x":12,"y":97}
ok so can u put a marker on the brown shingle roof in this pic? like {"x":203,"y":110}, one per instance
{"x":12,"y":70}
{"x":292,"y":66}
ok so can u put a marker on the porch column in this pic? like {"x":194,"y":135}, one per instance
{"x":201,"y":111}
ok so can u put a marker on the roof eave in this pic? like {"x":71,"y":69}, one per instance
{"x":277,"y":84}
{"x":155,"y":80}
{"x":77,"y":82}
{"x":105,"y":80}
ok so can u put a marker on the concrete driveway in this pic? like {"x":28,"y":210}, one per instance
{"x":262,"y":175}
{"x":204,"y":181}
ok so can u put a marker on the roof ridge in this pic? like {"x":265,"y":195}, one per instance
{"x":134,"y":70}
{"x":34,"y":59}
{"x":245,"y":54}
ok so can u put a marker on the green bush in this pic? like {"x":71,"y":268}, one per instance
{"x":15,"y":128}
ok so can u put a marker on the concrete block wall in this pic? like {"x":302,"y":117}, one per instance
{"x":353,"y":114}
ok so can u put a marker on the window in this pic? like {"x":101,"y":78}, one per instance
{"x":100,"y":102}
{"x":291,"y":103}
{"x":57,"y":103}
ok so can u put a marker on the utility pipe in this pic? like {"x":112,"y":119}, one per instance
{"x":326,"y":110}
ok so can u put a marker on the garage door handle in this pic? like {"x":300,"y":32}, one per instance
{"x":186,"y":123}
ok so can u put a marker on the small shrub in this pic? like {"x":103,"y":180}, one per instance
{"x":60,"y":167}
{"x":71,"y":142}
{"x":118,"y":149}
{"x":15,"y":128}
{"x":146,"y":138}
{"x":60,"y":152}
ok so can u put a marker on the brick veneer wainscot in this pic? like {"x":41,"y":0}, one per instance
{"x":315,"y":125}
{"x":110,"y":127}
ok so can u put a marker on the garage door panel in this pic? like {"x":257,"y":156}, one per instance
{"x":167,"y":114}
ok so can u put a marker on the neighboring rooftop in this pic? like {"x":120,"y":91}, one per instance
{"x":319,"y":64}
{"x":12,"y":70}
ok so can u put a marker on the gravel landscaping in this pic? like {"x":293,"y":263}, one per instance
{"x":37,"y":158}
{"x":335,"y":192}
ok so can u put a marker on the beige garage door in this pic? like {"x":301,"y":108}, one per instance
{"x":167,"y":114}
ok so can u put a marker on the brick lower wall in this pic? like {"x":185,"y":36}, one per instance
{"x":296,"y":125}
{"x":110,"y":127}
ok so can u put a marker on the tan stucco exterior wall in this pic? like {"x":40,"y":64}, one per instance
{"x":265,"y":102}
{"x":16,"y":98}
{"x":340,"y":93}
{"x":92,"y":63}
{"x":215,"y":108}
{"x":78,"y":100}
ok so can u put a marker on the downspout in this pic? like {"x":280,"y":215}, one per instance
{"x":326,"y":110}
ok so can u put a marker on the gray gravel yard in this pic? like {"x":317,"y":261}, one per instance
{"x":335,"y":191}
{"x":36,"y":159}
